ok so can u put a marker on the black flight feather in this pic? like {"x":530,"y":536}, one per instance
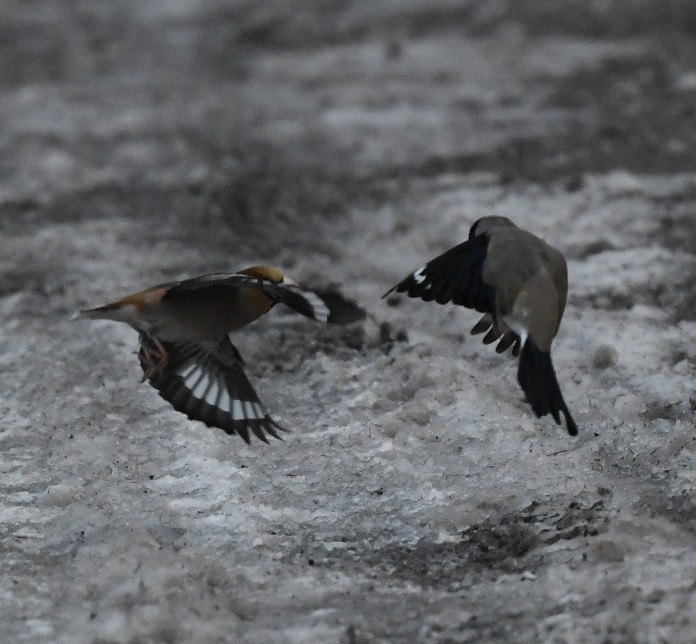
{"x":225,"y":398}
{"x":455,"y":276}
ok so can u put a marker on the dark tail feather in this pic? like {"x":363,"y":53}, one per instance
{"x":538,"y":381}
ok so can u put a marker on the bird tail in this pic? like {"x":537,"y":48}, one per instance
{"x":537,"y":378}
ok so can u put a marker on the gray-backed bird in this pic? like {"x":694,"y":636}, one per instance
{"x":521,"y":284}
{"x":185,"y":351}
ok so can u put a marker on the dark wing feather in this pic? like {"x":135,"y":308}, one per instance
{"x":455,"y":276}
{"x":208,"y":383}
{"x":303,"y":301}
{"x":508,"y":339}
{"x":341,"y":309}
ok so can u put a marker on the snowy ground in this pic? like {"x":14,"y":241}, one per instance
{"x":417,"y":498}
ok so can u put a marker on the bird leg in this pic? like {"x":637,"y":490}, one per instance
{"x":153,"y":357}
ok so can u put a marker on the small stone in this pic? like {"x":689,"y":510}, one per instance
{"x":604,"y":357}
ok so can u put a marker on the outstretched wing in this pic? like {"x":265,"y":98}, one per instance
{"x":303,"y":301}
{"x":455,"y":276}
{"x":208,"y":383}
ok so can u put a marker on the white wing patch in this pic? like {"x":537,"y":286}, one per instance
{"x":225,"y":403}
{"x":319,"y":309}
{"x":237,"y":410}
{"x":194,"y":377}
{"x":253,"y":411}
{"x":203,"y":386}
{"x":201,"y":389}
{"x":186,"y":370}
{"x":213,"y":394}
{"x":419,"y":276}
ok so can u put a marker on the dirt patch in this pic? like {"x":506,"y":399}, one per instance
{"x":511,"y":543}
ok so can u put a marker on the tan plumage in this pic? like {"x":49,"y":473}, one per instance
{"x":185,"y":350}
{"x":521,"y":284}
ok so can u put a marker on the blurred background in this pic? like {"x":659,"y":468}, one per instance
{"x":236,"y":116}
{"x":417,"y":498}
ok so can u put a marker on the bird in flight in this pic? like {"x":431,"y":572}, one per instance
{"x":520,"y":283}
{"x":185,"y":350}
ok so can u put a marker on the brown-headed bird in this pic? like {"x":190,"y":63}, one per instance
{"x":521,"y":284}
{"x":185,"y":351}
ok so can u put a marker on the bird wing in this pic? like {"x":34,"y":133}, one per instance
{"x":341,"y":309}
{"x":455,"y":276}
{"x":207,"y":383}
{"x":507,"y":337}
{"x":303,"y":301}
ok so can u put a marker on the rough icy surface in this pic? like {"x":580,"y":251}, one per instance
{"x":417,"y":498}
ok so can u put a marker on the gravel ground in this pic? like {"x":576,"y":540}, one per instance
{"x":417,"y":498}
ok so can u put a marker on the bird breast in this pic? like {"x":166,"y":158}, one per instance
{"x":536,"y":310}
